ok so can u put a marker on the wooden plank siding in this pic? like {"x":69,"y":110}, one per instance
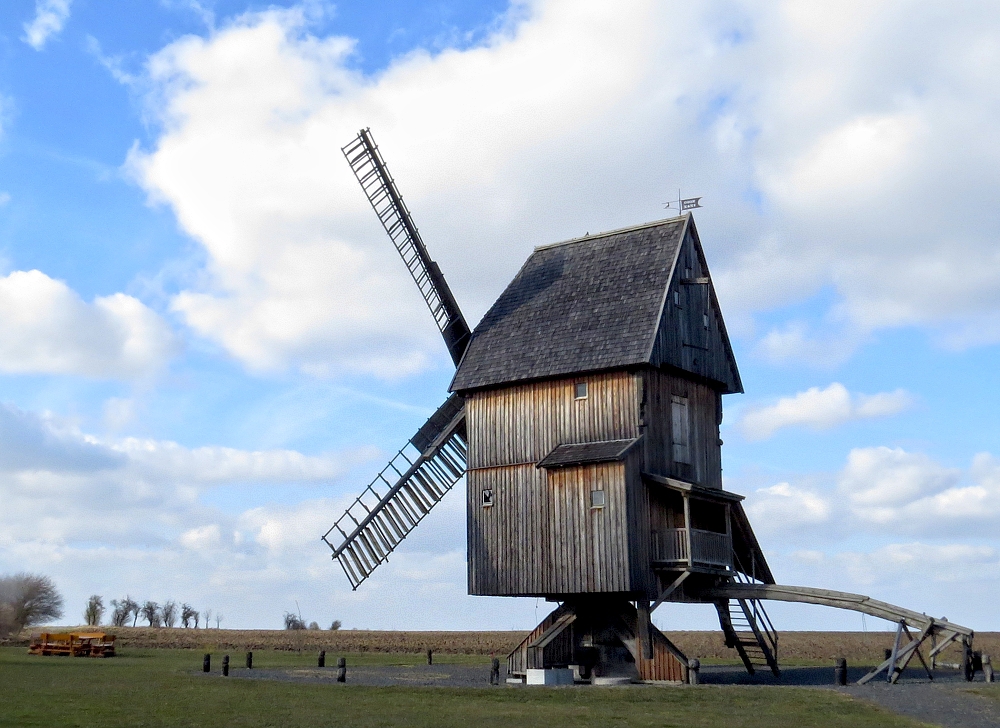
{"x":522,"y":423}
{"x":704,"y":406}
{"x":541,"y":536}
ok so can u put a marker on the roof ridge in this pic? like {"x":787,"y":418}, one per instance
{"x":612,"y":232}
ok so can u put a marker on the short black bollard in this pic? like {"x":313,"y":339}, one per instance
{"x":206,"y":664}
{"x":341,"y":669}
{"x":430,"y":657}
{"x":249,"y":661}
{"x":888,"y":653}
{"x":840,"y":671}
{"x":225,"y":666}
{"x":321,"y":662}
{"x":495,"y":671}
{"x":694,"y":667}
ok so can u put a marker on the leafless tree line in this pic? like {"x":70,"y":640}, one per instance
{"x":169,"y":614}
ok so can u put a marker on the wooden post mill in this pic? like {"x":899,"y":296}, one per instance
{"x":585,"y":415}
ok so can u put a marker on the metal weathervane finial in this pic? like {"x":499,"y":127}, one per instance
{"x":681,"y":205}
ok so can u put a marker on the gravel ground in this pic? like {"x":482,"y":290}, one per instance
{"x":945,"y":702}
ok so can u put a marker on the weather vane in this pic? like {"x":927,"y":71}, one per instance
{"x":682,"y":205}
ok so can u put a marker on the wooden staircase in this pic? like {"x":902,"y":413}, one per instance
{"x":748,"y":629}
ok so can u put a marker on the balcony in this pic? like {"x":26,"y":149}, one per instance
{"x":707,"y":548}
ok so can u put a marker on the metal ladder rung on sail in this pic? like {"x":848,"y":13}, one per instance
{"x":418,"y":477}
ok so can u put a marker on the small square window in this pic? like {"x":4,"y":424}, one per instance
{"x":487,"y":498}
{"x":677,"y":298}
{"x":704,"y":318}
{"x":597,"y":499}
{"x":580,"y":390}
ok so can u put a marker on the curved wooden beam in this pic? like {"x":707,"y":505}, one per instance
{"x":839,"y":600}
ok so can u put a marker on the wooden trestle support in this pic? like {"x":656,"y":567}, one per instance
{"x":602,"y":636}
{"x":940,"y":632}
{"x":608,"y":636}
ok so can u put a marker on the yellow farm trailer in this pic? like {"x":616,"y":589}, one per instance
{"x":73,"y":644}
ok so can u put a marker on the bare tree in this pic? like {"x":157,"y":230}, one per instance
{"x":28,"y":599}
{"x":94,"y":612}
{"x":208,"y":618}
{"x":335,"y":626}
{"x":122,"y":609}
{"x":133,"y":609}
{"x":293,"y":621}
{"x":194,"y":616}
{"x":188,"y":615}
{"x":169,"y":613}
{"x":151,"y":613}
{"x":218,"y":620}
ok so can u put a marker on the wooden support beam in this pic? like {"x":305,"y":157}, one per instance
{"x":669,"y":590}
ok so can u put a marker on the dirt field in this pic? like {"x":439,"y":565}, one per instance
{"x":793,"y":647}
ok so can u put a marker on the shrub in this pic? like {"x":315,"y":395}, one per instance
{"x":293,"y":621}
{"x":335,"y":626}
{"x":27,"y":599}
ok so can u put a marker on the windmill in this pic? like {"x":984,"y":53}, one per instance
{"x":584,"y":414}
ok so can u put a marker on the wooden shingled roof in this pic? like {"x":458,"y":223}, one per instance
{"x":596,"y":303}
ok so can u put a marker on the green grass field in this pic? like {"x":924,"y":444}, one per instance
{"x":165,"y":688}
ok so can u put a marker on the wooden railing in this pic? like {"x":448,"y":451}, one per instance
{"x":707,"y":547}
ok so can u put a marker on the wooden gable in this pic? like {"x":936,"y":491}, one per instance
{"x":691,"y":334}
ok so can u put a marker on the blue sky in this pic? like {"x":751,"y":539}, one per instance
{"x":210,"y":346}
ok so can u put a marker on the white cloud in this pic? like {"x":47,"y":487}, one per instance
{"x":501,"y":146}
{"x":45,"y":327}
{"x":118,"y":515}
{"x":884,"y":491}
{"x":50,"y":17}
{"x":784,"y":507}
{"x":4,"y":196}
{"x":880,"y":482}
{"x":821,"y":409}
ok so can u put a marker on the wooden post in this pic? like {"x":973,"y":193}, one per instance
{"x":840,"y":671}
{"x":890,"y":675}
{"x":644,"y":635}
{"x":341,"y":669}
{"x":430,"y":657}
{"x":321,"y":662}
{"x":967,"y":667}
{"x":225,"y":666}
{"x":249,"y":660}
{"x":694,"y":667}
{"x":495,"y":671}
{"x":206,"y":663}
{"x":687,"y":528}
{"x":987,"y":669}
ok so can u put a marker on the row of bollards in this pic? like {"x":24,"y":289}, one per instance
{"x":206,"y":664}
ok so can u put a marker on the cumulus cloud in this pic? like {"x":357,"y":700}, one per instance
{"x":50,"y":17}
{"x":784,"y":507}
{"x":45,"y":327}
{"x":885,"y":491}
{"x":819,"y":169}
{"x":145,"y":489}
{"x":821,"y":409}
{"x":117,"y":515}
